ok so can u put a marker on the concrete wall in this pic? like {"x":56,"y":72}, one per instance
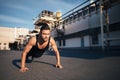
{"x":9,"y":35}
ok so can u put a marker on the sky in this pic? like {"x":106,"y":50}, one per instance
{"x":20,"y":13}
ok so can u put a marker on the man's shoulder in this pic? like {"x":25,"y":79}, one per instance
{"x":33,"y":40}
{"x":52,"y":39}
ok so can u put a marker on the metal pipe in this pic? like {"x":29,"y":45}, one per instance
{"x":101,"y":25}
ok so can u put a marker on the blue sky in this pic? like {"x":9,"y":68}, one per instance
{"x":19,"y":13}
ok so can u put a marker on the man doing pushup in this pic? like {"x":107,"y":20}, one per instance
{"x":37,"y":45}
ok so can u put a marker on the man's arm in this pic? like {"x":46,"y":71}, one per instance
{"x":24,"y":53}
{"x":54,"y":46}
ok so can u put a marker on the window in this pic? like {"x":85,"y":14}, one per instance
{"x":66,"y":21}
{"x":79,"y":14}
{"x":85,"y":12}
{"x":91,"y":9}
{"x":70,"y":20}
{"x":5,"y":43}
{"x":94,"y":39}
{"x":75,"y":17}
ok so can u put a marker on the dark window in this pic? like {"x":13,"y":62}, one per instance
{"x":95,"y":39}
{"x":5,"y":43}
{"x":79,"y":14}
{"x":91,"y":9}
{"x":75,"y":17}
{"x":66,"y":21}
{"x":85,"y":12}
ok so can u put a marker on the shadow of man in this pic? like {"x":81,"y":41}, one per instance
{"x":44,"y":63}
{"x":16,"y":62}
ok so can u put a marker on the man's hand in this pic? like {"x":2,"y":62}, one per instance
{"x":24,"y":69}
{"x":58,"y":66}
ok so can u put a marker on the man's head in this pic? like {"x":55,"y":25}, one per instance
{"x":45,"y":31}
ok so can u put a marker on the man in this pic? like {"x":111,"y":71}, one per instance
{"x":37,"y":46}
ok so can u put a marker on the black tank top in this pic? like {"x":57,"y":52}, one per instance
{"x":35,"y":51}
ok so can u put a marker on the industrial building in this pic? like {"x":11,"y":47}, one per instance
{"x":88,"y":25}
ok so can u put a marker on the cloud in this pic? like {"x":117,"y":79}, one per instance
{"x":19,"y":7}
{"x":12,"y":19}
{"x":60,"y":5}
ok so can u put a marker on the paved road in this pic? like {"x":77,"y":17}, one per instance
{"x":78,"y":65}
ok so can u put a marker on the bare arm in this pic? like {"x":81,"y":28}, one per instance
{"x":24,"y":53}
{"x":54,"y":46}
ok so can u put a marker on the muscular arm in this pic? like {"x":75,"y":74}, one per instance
{"x":54,"y":46}
{"x":24,"y":53}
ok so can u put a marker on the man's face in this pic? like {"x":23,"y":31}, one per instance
{"x":45,"y":34}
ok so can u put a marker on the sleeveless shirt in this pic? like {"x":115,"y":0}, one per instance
{"x":35,"y":51}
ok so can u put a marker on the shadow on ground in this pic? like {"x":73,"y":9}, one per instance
{"x":87,"y":54}
{"x":44,"y":63}
{"x":16,"y":62}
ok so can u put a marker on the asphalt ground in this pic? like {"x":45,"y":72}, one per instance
{"x":77,"y":65}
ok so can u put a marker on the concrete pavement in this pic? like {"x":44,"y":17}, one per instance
{"x":78,"y":65}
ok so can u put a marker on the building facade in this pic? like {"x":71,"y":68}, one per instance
{"x":88,"y":27}
{"x":12,"y":38}
{"x":90,"y":24}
